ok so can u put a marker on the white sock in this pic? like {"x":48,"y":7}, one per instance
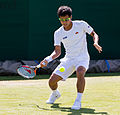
{"x":79,"y":96}
{"x":55,"y":91}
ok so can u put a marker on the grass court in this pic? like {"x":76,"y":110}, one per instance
{"x":20,"y":96}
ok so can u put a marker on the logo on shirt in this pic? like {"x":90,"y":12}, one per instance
{"x":65,"y":37}
{"x":76,"y":32}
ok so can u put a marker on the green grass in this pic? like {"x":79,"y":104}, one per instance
{"x":27,"y":97}
{"x":4,"y":78}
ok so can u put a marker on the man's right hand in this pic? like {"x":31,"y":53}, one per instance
{"x":44,"y":63}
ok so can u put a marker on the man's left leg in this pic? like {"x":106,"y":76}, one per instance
{"x":80,"y":72}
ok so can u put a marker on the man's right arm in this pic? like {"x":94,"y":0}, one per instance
{"x":56,"y":53}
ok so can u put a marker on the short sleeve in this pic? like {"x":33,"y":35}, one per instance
{"x":57,"y":40}
{"x":87,"y":28}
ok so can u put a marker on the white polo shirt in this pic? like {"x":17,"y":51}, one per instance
{"x":74,"y":40}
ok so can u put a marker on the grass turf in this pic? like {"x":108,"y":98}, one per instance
{"x":27,"y":97}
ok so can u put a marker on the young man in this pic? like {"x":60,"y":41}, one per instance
{"x":73,"y":36}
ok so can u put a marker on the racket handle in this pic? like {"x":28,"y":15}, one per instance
{"x":38,"y":66}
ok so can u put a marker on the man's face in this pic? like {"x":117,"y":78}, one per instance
{"x":65,"y":20}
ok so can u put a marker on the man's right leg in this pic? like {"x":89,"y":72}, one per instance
{"x":53,"y":81}
{"x":57,"y":76}
{"x":53,"y":85}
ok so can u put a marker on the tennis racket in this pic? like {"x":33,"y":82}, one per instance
{"x":28,"y":71}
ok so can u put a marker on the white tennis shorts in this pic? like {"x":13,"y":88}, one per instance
{"x":70,"y":66}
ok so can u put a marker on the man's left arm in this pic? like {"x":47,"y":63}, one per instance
{"x":96,"y":39}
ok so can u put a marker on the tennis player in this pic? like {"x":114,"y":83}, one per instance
{"x":73,"y":36}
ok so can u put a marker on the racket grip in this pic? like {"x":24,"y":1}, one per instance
{"x":38,"y":66}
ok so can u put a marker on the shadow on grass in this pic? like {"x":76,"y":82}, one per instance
{"x":56,"y":107}
{"x":77,"y":112}
{"x":6,"y":78}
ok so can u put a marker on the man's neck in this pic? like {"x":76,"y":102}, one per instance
{"x":69,"y":27}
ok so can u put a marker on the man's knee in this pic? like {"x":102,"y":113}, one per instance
{"x":54,"y":79}
{"x":80,"y":72}
{"x":52,"y":82}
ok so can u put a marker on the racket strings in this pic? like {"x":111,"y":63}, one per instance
{"x":26,"y":72}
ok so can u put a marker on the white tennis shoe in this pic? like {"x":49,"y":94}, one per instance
{"x":76,"y":105}
{"x":53,"y":97}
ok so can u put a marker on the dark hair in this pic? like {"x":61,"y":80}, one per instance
{"x":64,"y":10}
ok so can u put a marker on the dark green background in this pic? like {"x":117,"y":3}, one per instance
{"x":27,"y":27}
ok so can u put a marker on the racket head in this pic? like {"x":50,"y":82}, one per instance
{"x":26,"y":72}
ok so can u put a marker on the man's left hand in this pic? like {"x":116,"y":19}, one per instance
{"x":98,"y":47}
